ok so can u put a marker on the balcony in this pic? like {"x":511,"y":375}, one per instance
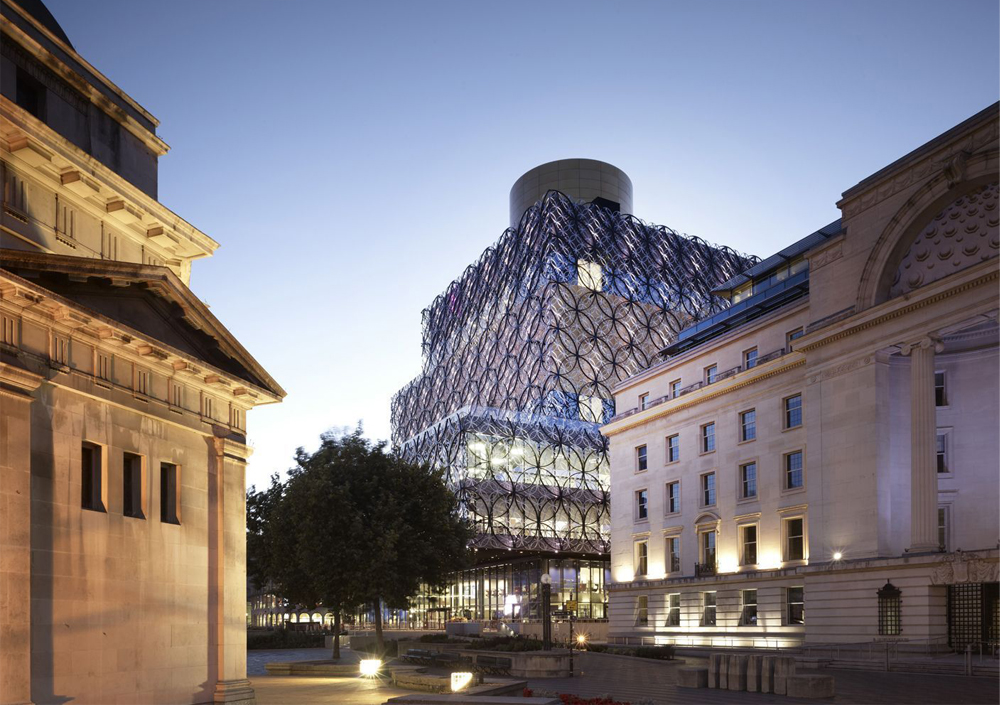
{"x":705,"y":570}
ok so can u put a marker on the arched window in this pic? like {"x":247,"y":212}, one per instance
{"x":890,"y":602}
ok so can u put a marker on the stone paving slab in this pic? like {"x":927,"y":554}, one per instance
{"x":638,"y":680}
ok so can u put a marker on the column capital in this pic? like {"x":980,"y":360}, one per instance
{"x":927,"y":342}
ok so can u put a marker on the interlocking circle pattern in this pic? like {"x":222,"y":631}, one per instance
{"x":520,"y":355}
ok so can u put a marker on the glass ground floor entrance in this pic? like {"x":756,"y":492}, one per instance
{"x":509,"y":591}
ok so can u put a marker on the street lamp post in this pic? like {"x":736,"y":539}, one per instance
{"x":546,"y":612}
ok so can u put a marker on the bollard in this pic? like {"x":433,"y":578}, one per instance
{"x":738,"y":672}
{"x":767,"y":674}
{"x":968,"y":659}
{"x":753,"y":673}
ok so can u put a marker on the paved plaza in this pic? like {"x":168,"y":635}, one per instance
{"x":627,"y":679}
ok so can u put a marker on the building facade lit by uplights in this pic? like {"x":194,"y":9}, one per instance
{"x":819,"y":461}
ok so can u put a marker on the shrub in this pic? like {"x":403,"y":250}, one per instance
{"x":570,"y":699}
{"x":438,"y":639}
{"x":663,"y":653}
{"x":284,"y":639}
{"x":508,"y":643}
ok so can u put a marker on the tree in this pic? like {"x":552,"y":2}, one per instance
{"x":352,"y":525}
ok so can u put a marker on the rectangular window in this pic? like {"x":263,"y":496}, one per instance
{"x":708,"y":550}
{"x":589,"y":275}
{"x":208,"y":408}
{"x":132,"y":486}
{"x":749,"y":616}
{"x":640,"y":459}
{"x":942,"y":452}
{"x":793,"y":335}
{"x":142,"y":381}
{"x":940,"y":389}
{"x":641,"y":505}
{"x":708,"y":438}
{"x":748,"y":480}
{"x":176,"y":394}
{"x":643,"y":401}
{"x":642,"y":611}
{"x":673,"y":448}
{"x":673,"y":546}
{"x":674,"y":609}
{"x":30,"y":93}
{"x":749,"y":358}
{"x":711,"y":374}
{"x":708,"y":605}
{"x":169,"y":495}
{"x":8,"y":330}
{"x":795,"y":605}
{"x":793,"y":411}
{"x":944,"y":533}
{"x":748,"y":425}
{"x":641,"y":563}
{"x":60,"y":349}
{"x":795,"y":544}
{"x":748,"y":548}
{"x":890,"y":611}
{"x":92,"y":477}
{"x":673,"y":497}
{"x":708,"y":489}
{"x":793,"y":470}
{"x":675,"y":388}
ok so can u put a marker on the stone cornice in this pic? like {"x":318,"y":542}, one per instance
{"x":759,"y":373}
{"x":68,"y":157}
{"x":44,"y":307}
{"x":971,"y":278}
{"x":710,"y":345}
{"x":17,"y":382}
{"x":967,"y":137}
{"x":79,"y":81}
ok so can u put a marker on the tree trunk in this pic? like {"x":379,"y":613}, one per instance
{"x":378,"y":625}
{"x":336,"y":635}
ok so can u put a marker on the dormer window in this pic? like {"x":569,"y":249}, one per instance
{"x":742,"y":292}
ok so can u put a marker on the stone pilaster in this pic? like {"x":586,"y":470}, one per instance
{"x":923,"y":448}
{"x":228,"y":571}
{"x":16,"y":388}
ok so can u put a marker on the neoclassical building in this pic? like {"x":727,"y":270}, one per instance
{"x":123,"y":405}
{"x":819,"y":461}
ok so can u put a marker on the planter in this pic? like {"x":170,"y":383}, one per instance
{"x":527,"y":664}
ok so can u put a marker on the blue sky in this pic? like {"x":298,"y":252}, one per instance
{"x":353,"y":158}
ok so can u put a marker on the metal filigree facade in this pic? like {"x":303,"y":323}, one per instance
{"x":520,"y":355}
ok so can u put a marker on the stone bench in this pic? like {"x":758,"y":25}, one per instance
{"x":810,"y":686}
{"x":692,"y":677}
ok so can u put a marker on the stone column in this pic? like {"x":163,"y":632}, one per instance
{"x":16,"y":388}
{"x":228,"y":571}
{"x":923,"y":445}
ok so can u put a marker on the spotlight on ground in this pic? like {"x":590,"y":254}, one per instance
{"x":370,"y":667}
{"x":460,"y":681}
{"x":581,"y":640}
{"x":837,"y":556}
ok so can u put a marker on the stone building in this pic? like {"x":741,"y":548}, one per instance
{"x":123,"y":405}
{"x":819,"y":462}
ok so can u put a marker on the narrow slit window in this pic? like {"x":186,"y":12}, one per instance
{"x":91,"y":477}
{"x":169,"y":495}
{"x":132,"y":486}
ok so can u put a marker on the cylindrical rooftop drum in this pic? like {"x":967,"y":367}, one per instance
{"x":580,"y":179}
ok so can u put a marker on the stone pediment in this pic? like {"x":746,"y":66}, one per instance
{"x":148,"y":299}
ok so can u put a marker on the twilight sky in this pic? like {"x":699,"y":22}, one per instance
{"x":353,"y":158}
